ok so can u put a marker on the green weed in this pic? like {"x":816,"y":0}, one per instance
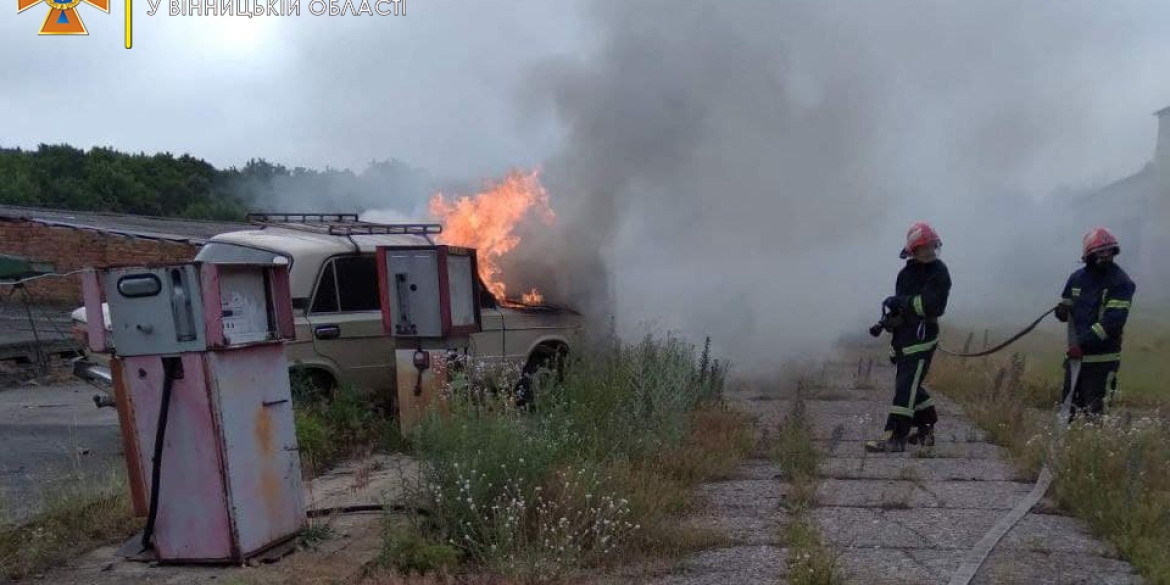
{"x":407,"y":551}
{"x":811,"y":560}
{"x":593,"y":472}
{"x":1115,"y":473}
{"x":343,"y":424}
{"x":76,"y":517}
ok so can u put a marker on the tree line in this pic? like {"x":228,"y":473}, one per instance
{"x":60,"y":176}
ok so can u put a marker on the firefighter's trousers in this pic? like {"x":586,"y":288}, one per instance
{"x":1096,"y":382}
{"x":913,"y":405}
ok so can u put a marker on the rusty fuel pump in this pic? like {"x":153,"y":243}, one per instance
{"x":204,"y":404}
{"x":429,"y":297}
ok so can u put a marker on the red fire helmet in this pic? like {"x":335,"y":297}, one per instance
{"x":1098,"y":240}
{"x":920,"y":234}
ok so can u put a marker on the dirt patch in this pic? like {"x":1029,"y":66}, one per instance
{"x":14,"y":374}
{"x":344,"y":546}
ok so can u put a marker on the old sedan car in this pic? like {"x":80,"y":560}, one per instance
{"x":340,"y":338}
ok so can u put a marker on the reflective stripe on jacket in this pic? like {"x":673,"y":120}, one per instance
{"x":922,"y":291}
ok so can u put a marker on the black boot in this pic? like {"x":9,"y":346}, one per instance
{"x":890,"y":443}
{"x":923,"y":435}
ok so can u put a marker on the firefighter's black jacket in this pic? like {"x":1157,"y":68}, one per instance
{"x":922,"y":291}
{"x":1098,"y":298}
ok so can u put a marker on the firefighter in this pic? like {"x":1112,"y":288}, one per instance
{"x":1096,"y":298}
{"x":920,"y":298}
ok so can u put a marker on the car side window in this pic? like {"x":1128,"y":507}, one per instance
{"x":357,"y":283}
{"x":348,"y":283}
{"x":325,"y":298}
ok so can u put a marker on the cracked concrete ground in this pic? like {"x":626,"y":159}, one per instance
{"x":746,"y":509}
{"x":909,"y":518}
{"x":905,"y":519}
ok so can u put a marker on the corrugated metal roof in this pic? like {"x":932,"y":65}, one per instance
{"x":140,"y":226}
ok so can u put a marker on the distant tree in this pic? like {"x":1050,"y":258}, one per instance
{"x":104,"y":179}
{"x":16,"y":179}
{"x":162,"y":184}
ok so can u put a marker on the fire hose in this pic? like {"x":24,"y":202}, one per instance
{"x":982,"y":549}
{"x":885,"y":324}
{"x":1010,"y":340}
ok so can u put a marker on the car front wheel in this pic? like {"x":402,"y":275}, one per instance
{"x":545,"y":367}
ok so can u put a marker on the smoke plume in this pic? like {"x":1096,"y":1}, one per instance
{"x":748,"y":170}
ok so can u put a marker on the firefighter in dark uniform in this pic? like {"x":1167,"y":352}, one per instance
{"x":1096,"y":298}
{"x":920,"y":299}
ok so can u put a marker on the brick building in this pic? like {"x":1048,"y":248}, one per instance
{"x":74,"y":240}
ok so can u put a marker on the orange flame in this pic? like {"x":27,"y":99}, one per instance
{"x":532,"y":298}
{"x":485,"y":221}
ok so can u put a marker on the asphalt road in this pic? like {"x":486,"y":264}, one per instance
{"x":53,"y":437}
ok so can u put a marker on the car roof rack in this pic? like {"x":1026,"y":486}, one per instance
{"x":302,"y":217}
{"x":341,"y":224}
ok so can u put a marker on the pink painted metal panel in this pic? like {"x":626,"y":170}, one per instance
{"x":384,"y":290}
{"x":192,"y":523}
{"x":282,"y":303}
{"x":254,"y":407}
{"x":212,"y":309}
{"x":95,"y":322}
{"x":129,"y":432}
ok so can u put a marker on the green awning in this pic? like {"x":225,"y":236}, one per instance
{"x":16,"y":267}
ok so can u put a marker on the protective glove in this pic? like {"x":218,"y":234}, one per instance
{"x":1075,"y":352}
{"x":893,"y":304}
{"x":1062,"y":313}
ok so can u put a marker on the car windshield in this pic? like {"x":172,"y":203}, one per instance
{"x":221,"y":253}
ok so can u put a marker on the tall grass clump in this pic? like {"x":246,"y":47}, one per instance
{"x":1144,"y":368}
{"x":986,"y":387}
{"x":811,"y":560}
{"x":572,"y":479}
{"x":1114,"y":473}
{"x":342,"y":423}
{"x":74,"y":515}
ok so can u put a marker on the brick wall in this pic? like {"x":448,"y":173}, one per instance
{"x":70,"y":249}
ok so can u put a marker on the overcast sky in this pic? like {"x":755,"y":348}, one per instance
{"x":445,"y":86}
{"x":439,"y":87}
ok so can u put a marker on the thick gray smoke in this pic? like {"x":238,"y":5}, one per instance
{"x":389,"y":184}
{"x":748,"y":170}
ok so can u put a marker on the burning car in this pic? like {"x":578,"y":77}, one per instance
{"x":340,"y":336}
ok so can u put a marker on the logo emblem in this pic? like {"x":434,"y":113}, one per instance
{"x":63,"y":18}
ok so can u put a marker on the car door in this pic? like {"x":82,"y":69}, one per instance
{"x":524,"y":329}
{"x":345,"y":320}
{"x":488,"y":345}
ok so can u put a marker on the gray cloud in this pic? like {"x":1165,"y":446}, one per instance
{"x":436,"y":88}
